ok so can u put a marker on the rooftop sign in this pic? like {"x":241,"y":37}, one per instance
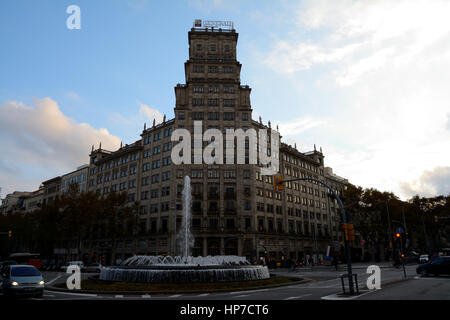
{"x":198,"y":23}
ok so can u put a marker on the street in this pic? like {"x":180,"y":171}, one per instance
{"x":325,"y":284}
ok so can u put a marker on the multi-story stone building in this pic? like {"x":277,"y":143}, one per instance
{"x":236,"y":210}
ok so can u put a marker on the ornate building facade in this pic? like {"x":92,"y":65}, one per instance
{"x":235,"y":209}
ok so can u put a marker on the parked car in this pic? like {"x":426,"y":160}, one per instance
{"x":424,"y":258}
{"x":94,"y":267}
{"x":71,"y":263}
{"x":411,"y":257}
{"x":22,"y":280}
{"x":436,"y":267}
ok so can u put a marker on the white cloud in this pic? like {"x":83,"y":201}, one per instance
{"x":388,"y":64}
{"x":43,"y":138}
{"x":430,"y":183}
{"x":150,"y":114}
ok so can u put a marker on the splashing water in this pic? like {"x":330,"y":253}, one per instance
{"x":185,"y":238}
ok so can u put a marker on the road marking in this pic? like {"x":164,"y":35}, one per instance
{"x":76,"y":294}
{"x":336,"y":297}
{"x":248,"y":291}
{"x":203,"y":295}
{"x":119,"y":296}
{"x":53,"y":280}
{"x":175,"y":296}
{"x":48,"y":295}
{"x":146,"y":296}
{"x":241,"y":296}
{"x":298,"y":297}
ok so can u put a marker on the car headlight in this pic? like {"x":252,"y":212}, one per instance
{"x":41,"y":283}
{"x":14,"y":283}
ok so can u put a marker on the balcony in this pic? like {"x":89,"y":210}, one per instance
{"x":213,"y":195}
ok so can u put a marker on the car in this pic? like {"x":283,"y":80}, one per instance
{"x":424,"y":258}
{"x":71,"y":263}
{"x":411,"y":257}
{"x":435,"y":267}
{"x":22,"y":280}
{"x":93,"y":267}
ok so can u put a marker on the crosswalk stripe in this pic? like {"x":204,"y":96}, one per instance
{"x":119,"y":296}
{"x":147,"y":296}
{"x":175,"y":296}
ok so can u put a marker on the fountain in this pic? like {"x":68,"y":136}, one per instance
{"x":184,"y":267}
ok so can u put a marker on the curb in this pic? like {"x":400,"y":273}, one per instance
{"x":56,"y":289}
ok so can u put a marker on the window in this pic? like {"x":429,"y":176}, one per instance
{"x":180,"y":115}
{"x":213,"y":115}
{"x":228,"y":102}
{"x":197,"y":102}
{"x":212,"y":48}
{"x":197,"y":89}
{"x":213,"y":174}
{"x":213,"y":69}
{"x":244,"y":116}
{"x":229,"y":174}
{"x":227,"y":48}
{"x":198,"y":69}
{"x":213,"y":102}
{"x":213,"y":89}
{"x":246,"y":174}
{"x":228,"y":89}
{"x":227,"y":69}
{"x":196,"y":174}
{"x":228,"y":116}
{"x":199,"y":47}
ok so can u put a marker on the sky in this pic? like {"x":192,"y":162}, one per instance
{"x":365,"y":80}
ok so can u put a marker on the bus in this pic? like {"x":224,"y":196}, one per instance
{"x":32,"y":259}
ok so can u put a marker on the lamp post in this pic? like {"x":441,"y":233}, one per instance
{"x":278,"y":184}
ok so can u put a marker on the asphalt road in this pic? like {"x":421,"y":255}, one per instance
{"x":325,"y":284}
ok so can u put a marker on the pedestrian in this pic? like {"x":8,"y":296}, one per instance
{"x":335,"y":262}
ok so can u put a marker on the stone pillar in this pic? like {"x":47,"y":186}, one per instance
{"x":205,"y":247}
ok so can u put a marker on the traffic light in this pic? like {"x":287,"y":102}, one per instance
{"x":278,"y":183}
{"x":398,"y":235}
{"x":349,"y":231}
{"x":403,"y":256}
{"x":265,"y":250}
{"x":9,"y":233}
{"x":436,"y":219}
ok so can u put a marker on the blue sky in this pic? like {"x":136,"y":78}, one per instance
{"x":362,"y":79}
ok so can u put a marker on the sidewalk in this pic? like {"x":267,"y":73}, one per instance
{"x":343,"y":266}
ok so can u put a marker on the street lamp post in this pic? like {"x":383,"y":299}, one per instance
{"x":345,"y":220}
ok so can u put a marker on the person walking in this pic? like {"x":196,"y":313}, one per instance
{"x":335,"y":262}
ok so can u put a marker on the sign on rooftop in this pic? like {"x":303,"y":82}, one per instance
{"x":198,"y":23}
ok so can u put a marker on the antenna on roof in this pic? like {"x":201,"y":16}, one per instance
{"x":145,"y":126}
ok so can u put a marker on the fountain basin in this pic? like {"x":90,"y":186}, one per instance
{"x":183,"y":273}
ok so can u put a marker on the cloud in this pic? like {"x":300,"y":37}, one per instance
{"x":41,"y":138}
{"x":74,"y":96}
{"x":430,"y":183}
{"x":383,"y":66}
{"x":149,"y":113}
